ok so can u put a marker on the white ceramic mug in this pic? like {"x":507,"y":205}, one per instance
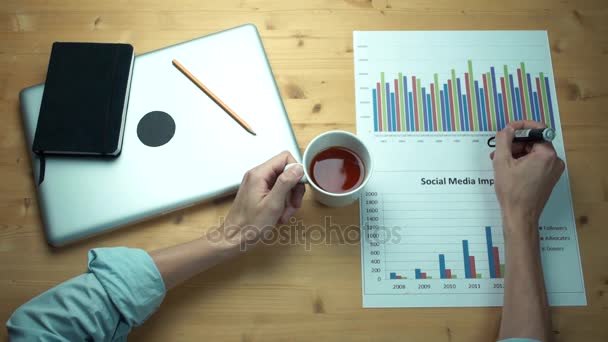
{"x":336,"y":139}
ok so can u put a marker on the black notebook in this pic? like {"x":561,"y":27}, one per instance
{"x":85,"y":99}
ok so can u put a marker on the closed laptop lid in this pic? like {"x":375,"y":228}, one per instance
{"x":193,"y":150}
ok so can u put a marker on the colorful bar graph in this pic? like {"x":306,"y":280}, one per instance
{"x":496,"y":269}
{"x":487,"y":102}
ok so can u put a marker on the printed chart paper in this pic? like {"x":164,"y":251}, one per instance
{"x":426,"y":104}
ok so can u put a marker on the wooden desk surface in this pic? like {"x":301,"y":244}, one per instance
{"x":286,"y":292}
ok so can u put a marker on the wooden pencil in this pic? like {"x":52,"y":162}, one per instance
{"x":215,"y":99}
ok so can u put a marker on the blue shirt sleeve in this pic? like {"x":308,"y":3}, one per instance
{"x":519,"y":339}
{"x":121,"y":289}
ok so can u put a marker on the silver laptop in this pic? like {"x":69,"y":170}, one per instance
{"x":179,"y":147}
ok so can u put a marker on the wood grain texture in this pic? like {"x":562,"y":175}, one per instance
{"x":287,"y":292}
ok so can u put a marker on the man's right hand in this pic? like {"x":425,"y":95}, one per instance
{"x":268,"y":195}
{"x":525,"y":174}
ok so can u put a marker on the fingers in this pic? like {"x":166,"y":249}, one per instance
{"x":526,"y":148}
{"x":293,"y":202}
{"x":297,"y":194}
{"x":545,"y":153}
{"x":554,"y":164}
{"x":525,"y":124}
{"x":545,"y":148}
{"x":274,"y":166}
{"x":281,"y":192}
{"x":560,"y":168}
{"x":504,"y":143}
{"x":520,"y":149}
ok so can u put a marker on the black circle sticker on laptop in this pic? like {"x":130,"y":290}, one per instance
{"x":155,"y":129}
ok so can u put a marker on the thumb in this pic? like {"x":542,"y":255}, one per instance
{"x":504,"y":144}
{"x":285,"y":182}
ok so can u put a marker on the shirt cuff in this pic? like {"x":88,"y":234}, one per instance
{"x":131,"y":279}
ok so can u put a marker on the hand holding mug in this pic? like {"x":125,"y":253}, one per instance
{"x":267,"y":196}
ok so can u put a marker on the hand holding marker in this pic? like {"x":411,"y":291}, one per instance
{"x":529,"y":135}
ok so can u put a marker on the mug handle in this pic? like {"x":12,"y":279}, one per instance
{"x":304,"y":179}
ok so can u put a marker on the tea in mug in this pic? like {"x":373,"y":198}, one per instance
{"x":337,"y":170}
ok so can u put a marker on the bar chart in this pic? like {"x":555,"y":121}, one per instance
{"x":439,"y":232}
{"x":495,"y":268}
{"x":431,"y":226}
{"x":486,"y":102}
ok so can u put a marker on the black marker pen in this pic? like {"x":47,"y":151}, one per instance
{"x":529,"y":135}
{"x":534,"y":135}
